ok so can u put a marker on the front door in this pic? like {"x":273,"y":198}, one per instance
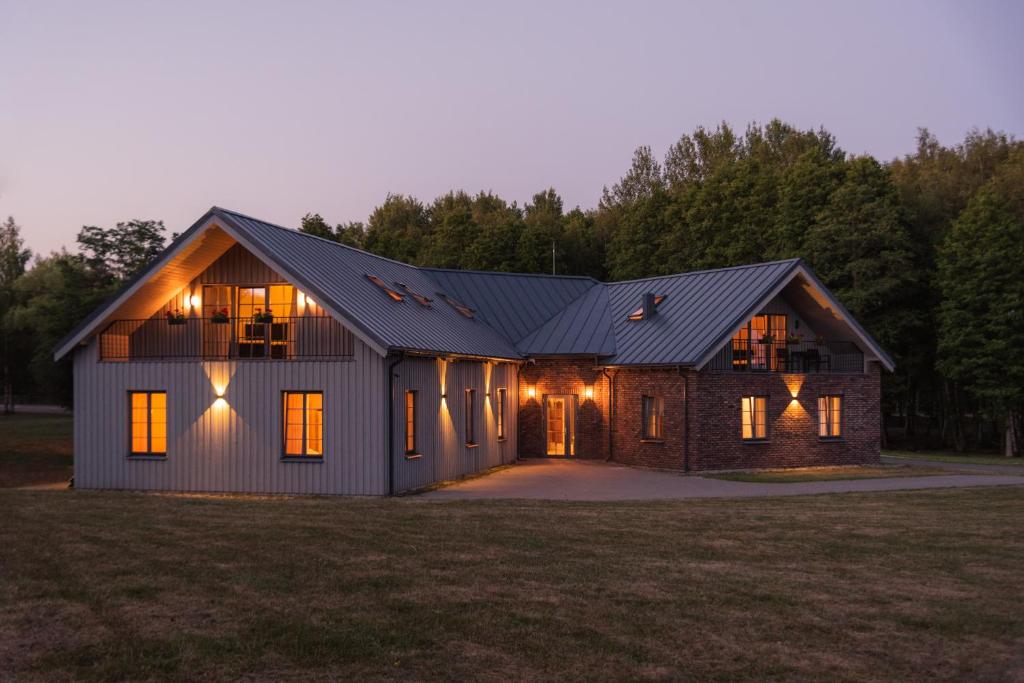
{"x":560,"y":425}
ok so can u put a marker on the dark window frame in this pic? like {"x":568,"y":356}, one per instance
{"x":149,"y":453}
{"x":649,"y":402}
{"x":842,"y":418}
{"x":754,"y":437}
{"x":469,"y":421}
{"x":501,"y":396}
{"x":411,"y":435}
{"x":304,"y":456}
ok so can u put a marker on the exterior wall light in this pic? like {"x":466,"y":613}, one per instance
{"x":194,"y":302}
{"x":531,"y":391}
{"x":588,"y":392}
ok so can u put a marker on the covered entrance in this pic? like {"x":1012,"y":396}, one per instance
{"x":560,"y":425}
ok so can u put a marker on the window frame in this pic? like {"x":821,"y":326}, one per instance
{"x":149,"y":453}
{"x":304,"y":456}
{"x":657,"y":403}
{"x":469,"y":419}
{"x":414,"y":421}
{"x":754,"y":399}
{"x":838,"y":426}
{"x":501,"y":397}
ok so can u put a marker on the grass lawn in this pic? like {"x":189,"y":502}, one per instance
{"x":34,"y":449}
{"x":859,"y":587}
{"x":788,"y":476}
{"x":960,"y":458}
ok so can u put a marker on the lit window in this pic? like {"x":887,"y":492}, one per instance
{"x":410,"y":422}
{"x":502,"y":397}
{"x":638,"y":314}
{"x":470,"y":422}
{"x":148,"y":422}
{"x":420,"y":299}
{"x":395,"y":296}
{"x":653,"y":416}
{"x":461,"y":308}
{"x":830,"y":417}
{"x":755,"y":423}
{"x":303,"y":424}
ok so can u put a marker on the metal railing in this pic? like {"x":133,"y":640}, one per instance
{"x":278,"y":338}
{"x":743,"y":355}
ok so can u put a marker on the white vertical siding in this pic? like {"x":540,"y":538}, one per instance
{"x":235,"y":447}
{"x":441,"y":440}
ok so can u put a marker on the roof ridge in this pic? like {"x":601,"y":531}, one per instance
{"x":793,"y":261}
{"x":314,"y":237}
{"x":561,"y":311}
{"x":504,"y":272}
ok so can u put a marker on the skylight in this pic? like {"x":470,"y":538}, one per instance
{"x":638,"y":314}
{"x":461,"y":308}
{"x":395,"y":296}
{"x":420,"y":299}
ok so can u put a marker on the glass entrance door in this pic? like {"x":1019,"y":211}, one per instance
{"x":560,"y":425}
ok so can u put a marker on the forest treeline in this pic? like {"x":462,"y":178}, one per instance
{"x":927,"y":251}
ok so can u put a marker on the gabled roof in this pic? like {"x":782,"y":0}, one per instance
{"x":516,"y":315}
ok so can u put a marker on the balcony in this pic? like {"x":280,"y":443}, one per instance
{"x":279,"y":338}
{"x":743,"y":355}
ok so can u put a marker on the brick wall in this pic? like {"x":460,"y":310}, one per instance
{"x":714,"y":416}
{"x":563,"y":377}
{"x":792,"y":423}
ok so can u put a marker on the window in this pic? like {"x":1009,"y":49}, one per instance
{"x":395,"y":296}
{"x":148,"y":422}
{"x":303,"y":424}
{"x":410,"y":422}
{"x":638,"y":314}
{"x":463,"y":309}
{"x":755,"y":424}
{"x":470,"y":423}
{"x":761,"y":343}
{"x":502,"y":397}
{"x":420,"y":299}
{"x":830,"y":417}
{"x":653,"y":415}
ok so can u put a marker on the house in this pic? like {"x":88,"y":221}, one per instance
{"x":251,"y":357}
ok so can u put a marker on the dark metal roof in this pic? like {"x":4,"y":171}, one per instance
{"x":514,"y":304}
{"x":517,"y":315}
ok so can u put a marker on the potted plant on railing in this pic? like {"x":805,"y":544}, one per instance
{"x":220,"y":316}
{"x":175,"y":317}
{"x":794,"y":339}
{"x":819,"y":340}
{"x":261,"y":316}
{"x":767,"y":340}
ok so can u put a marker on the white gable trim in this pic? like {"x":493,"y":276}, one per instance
{"x":865,"y":339}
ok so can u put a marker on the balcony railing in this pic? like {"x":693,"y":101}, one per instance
{"x":280,"y":338}
{"x":743,"y":355}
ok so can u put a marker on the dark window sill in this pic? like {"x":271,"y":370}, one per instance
{"x":755,"y":442}
{"x":147,"y":456}
{"x":302,"y":458}
{"x":413,"y":456}
{"x":647,"y":440}
{"x":502,"y":438}
{"x":472,"y":445}
{"x":831,"y":439}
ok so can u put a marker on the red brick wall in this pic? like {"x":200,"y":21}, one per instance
{"x":792,"y":423}
{"x":714,"y":416}
{"x":563,"y":376}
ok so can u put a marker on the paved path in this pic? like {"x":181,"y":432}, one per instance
{"x":587,"y":480}
{"x":1017,"y":470}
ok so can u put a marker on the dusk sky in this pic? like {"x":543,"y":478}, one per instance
{"x":113,"y":111}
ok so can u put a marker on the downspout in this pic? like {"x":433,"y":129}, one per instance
{"x":686,"y":420}
{"x":611,"y":409}
{"x":391,"y":421}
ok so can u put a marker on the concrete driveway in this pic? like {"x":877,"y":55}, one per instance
{"x":541,"y":479}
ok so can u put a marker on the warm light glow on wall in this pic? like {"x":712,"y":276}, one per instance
{"x":194,"y":302}
{"x":588,"y":392}
{"x":531,"y":391}
{"x":220,"y":403}
{"x":793,"y":383}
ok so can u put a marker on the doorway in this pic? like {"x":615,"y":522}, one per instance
{"x":560,"y":425}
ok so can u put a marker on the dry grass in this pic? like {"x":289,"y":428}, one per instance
{"x":34,"y":449}
{"x":793,"y":474}
{"x":958,"y":458}
{"x":893,"y":586}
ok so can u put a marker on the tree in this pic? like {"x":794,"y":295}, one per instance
{"x":981,"y":278}
{"x":13,"y":258}
{"x":540,"y":245}
{"x":398,"y":229}
{"x":452,"y":231}
{"x":498,"y":225}
{"x":350,"y":234}
{"x":117,"y":253}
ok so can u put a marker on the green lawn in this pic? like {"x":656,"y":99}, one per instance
{"x":34,"y":449}
{"x":788,"y":476}
{"x":960,"y":458}
{"x":857,"y":587}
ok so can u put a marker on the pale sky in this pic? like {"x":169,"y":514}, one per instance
{"x":118,"y":110}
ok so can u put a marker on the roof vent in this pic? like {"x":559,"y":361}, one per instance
{"x":648,"y":306}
